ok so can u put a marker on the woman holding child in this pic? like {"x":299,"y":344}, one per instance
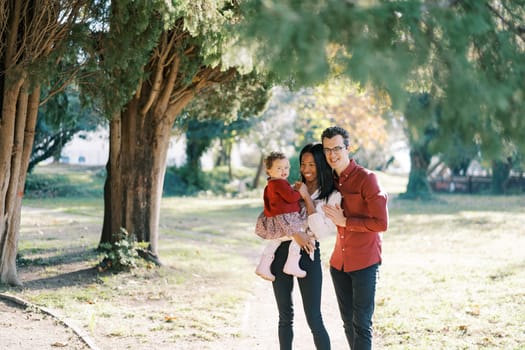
{"x":316,"y":189}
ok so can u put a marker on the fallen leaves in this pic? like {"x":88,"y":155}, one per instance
{"x":59,"y":344}
{"x":170,"y":318}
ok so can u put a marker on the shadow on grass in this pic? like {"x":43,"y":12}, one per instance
{"x":54,"y":256}
{"x":52,"y":268}
{"x":79,"y":277}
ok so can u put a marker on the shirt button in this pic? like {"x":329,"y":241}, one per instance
{"x":342,"y":236}
{"x":343,"y":249}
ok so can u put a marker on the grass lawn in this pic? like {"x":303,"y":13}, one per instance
{"x":453,"y":274}
{"x":452,"y":277}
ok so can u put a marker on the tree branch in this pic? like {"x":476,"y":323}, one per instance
{"x":518,"y":30}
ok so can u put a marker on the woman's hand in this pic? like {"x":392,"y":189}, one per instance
{"x":335,"y":213}
{"x":301,"y":188}
{"x":308,"y":201}
{"x":304,"y":241}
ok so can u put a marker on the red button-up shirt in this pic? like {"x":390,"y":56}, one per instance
{"x":358,"y":244}
{"x":280,"y":198}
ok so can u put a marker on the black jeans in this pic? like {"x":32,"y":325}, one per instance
{"x":310,"y":288}
{"x":355,"y":293}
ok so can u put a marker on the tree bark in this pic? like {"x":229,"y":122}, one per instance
{"x":111,"y":186}
{"x":418,"y":186}
{"x":136,"y":169}
{"x":258,"y":173}
{"x":17,"y":126}
{"x":500,"y":176}
{"x":9,"y":185}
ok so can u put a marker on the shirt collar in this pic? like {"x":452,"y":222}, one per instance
{"x":349,"y":169}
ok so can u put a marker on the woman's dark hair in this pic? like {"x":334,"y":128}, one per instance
{"x":325,"y":177}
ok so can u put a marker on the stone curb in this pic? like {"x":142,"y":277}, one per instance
{"x":79,"y":332}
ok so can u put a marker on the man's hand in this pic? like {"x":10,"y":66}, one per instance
{"x":335,"y":214}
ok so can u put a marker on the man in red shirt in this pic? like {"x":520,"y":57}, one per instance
{"x":357,"y":253}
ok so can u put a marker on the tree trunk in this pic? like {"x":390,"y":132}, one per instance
{"x":228,"y":145}
{"x":221,"y":156}
{"x":195,"y":148}
{"x":258,"y":172}
{"x":500,"y":176}
{"x":24,"y":49}
{"x":17,"y":126}
{"x":112,"y":193}
{"x":139,"y":140}
{"x":135,"y":174}
{"x":418,"y":186}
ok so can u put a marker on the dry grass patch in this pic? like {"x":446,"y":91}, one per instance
{"x":196,"y":296}
{"x":453,"y":275}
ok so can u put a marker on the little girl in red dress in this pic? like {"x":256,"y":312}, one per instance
{"x":281,"y":218}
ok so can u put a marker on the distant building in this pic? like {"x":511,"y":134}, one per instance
{"x":93,"y":149}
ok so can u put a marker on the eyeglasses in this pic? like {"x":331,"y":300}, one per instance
{"x":336,"y":149}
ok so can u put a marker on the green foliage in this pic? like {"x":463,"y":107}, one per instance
{"x":295,"y":168}
{"x":117,"y":48}
{"x":289,"y":39}
{"x":121,"y":48}
{"x":421,"y":132}
{"x":121,"y":255}
{"x":179,"y":181}
{"x":47,"y":186}
{"x":467,"y":54}
{"x":52,"y":62}
{"x":225,"y":112}
{"x":238,"y":100}
{"x":184,"y":181}
{"x":459,"y":155}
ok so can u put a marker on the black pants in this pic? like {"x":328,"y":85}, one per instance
{"x":310,"y":288}
{"x":355,"y":293}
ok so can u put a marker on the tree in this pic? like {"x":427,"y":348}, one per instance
{"x":34,"y":37}
{"x":459,"y":155}
{"x":501,"y":168}
{"x":420,"y":117}
{"x":467,"y":55}
{"x":174,"y":53}
{"x":225,"y":112}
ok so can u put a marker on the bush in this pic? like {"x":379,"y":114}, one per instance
{"x":185,"y":181}
{"x":49,"y":186}
{"x":121,"y":255}
{"x":73,"y":183}
{"x":181,"y":181}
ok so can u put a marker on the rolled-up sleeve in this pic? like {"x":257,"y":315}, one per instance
{"x":367,"y":212}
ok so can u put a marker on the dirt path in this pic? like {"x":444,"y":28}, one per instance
{"x":30,"y":329}
{"x":259,"y":321}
